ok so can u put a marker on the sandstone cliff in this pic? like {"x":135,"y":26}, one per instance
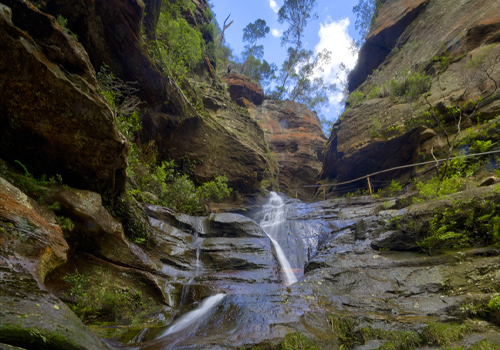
{"x":293,"y":133}
{"x":52,"y":118}
{"x":431,"y":39}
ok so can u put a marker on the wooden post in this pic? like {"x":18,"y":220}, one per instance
{"x":369,"y":185}
{"x":296,"y":195}
{"x":324,"y":193}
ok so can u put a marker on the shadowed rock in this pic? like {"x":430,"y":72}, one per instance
{"x":52,"y":117}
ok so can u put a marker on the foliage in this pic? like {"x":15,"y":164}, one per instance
{"x":494,"y":303}
{"x":299,"y":78}
{"x":409,"y":85}
{"x":155,"y":183}
{"x":437,"y":188}
{"x":375,"y":127}
{"x":297,"y":341}
{"x":178,"y":47}
{"x":65,"y":223}
{"x":253,"y":66}
{"x":373,"y":92}
{"x":366,"y":12}
{"x":164,"y":185}
{"x":394,"y":187}
{"x":437,"y":334}
{"x":462,"y":224}
{"x":344,"y":328}
{"x":38,"y":189}
{"x":355,"y":98}
{"x":100,"y":301}
{"x":63,"y":22}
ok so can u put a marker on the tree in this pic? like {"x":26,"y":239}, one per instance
{"x":253,"y":66}
{"x":255,"y":31}
{"x":366,"y":12}
{"x":251,"y":33}
{"x":297,"y":13}
{"x":299,"y":78}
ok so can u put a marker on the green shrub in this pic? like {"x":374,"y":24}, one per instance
{"x":494,"y":303}
{"x":100,"y":301}
{"x":178,"y":47}
{"x":464,"y":223}
{"x":63,"y":22}
{"x":394,"y":187}
{"x":373,"y":93}
{"x":437,"y":188}
{"x":375,"y":128}
{"x":355,"y":98}
{"x":410,"y":85}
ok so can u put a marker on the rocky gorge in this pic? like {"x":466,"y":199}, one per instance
{"x":89,"y":259}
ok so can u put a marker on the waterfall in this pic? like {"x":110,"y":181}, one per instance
{"x":274,"y":217}
{"x":191,"y":317}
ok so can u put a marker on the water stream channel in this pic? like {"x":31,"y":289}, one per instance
{"x":235,"y":281}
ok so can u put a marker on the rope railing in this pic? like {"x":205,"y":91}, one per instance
{"x":367,"y":177}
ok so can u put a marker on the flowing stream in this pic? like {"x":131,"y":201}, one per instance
{"x":274,"y":217}
{"x":195,"y":315}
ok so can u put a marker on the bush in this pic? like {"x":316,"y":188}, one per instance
{"x":178,"y":47}
{"x":98,"y":301}
{"x":154,"y":183}
{"x":494,"y":303}
{"x":355,"y":98}
{"x":394,"y":187}
{"x":437,"y":188}
{"x":410,"y":85}
{"x":464,"y":223}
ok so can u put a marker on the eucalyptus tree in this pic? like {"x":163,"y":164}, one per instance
{"x":299,"y":77}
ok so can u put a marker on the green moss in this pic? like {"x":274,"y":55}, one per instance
{"x":396,"y":340}
{"x":444,"y":333}
{"x":344,"y":328}
{"x":297,"y":341}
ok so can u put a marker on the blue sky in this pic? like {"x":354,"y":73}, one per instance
{"x":333,"y":30}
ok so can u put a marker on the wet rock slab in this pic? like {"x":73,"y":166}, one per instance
{"x":32,"y":246}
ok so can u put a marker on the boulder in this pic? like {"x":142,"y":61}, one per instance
{"x":97,"y":232}
{"x":242,"y":88}
{"x":31,"y":247}
{"x":52,"y":117}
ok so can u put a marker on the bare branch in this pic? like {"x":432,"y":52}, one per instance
{"x":224,"y":27}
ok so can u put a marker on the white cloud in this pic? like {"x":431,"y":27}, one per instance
{"x":276,"y":32}
{"x":274,"y":6}
{"x":334,"y":37}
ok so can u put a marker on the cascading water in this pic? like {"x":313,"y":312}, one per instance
{"x":274,"y":217}
{"x":193,"y":316}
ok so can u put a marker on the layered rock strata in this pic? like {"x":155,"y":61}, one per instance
{"x":53,"y":119}
{"x":436,"y":38}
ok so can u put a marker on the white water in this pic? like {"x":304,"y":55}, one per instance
{"x":274,"y":217}
{"x":192,"y":316}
